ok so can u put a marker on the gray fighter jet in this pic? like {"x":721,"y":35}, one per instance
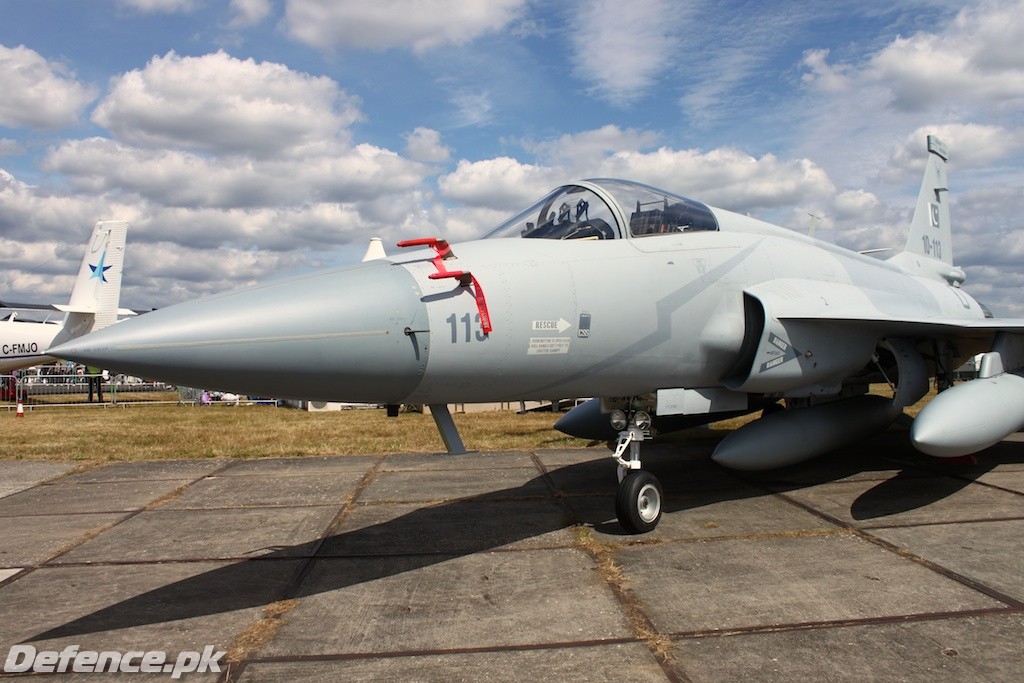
{"x":672,"y":312}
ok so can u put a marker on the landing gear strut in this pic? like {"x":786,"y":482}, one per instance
{"x":638,"y":501}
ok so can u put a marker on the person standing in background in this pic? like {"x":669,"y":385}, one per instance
{"x":95,"y":380}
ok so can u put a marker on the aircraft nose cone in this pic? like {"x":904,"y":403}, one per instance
{"x":334,"y":336}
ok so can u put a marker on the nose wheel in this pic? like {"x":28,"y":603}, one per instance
{"x":638,"y":502}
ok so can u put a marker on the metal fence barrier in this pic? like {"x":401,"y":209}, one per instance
{"x":47,"y":386}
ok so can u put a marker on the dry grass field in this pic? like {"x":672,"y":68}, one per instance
{"x":141,"y":431}
{"x":146,"y":431}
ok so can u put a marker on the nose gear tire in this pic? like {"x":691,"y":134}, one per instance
{"x":638,"y":502}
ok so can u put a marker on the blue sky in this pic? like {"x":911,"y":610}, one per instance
{"x":247,"y":139}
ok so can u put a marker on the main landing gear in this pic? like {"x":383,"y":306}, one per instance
{"x":638,"y":501}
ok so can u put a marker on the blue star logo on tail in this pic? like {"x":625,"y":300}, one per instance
{"x":99,"y":270}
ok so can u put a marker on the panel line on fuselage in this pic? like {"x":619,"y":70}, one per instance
{"x":253,"y":340}
{"x":665,"y":307}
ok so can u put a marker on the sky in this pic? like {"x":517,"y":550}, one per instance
{"x":246,"y":140}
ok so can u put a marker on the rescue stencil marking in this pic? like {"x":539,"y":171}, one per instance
{"x":548,"y":325}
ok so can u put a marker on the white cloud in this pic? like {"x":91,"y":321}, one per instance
{"x":179,"y":253}
{"x":988,"y":227}
{"x":244,"y":167}
{"x":962,"y":74}
{"x":386,"y":24}
{"x":488,"y":191}
{"x":724,"y":177}
{"x":38,"y":93}
{"x":249,"y":12}
{"x":988,"y":241}
{"x":996,"y":288}
{"x":221,"y":104}
{"x":165,"y":6}
{"x":822,"y":75}
{"x":501,"y":183}
{"x":364,"y":172}
{"x":470,"y":223}
{"x":472,"y":108}
{"x":29,"y":212}
{"x":857,"y":205}
{"x":10,"y":147}
{"x":169,"y":177}
{"x":157,"y":273}
{"x":162,"y":273}
{"x":720,"y":82}
{"x":620,"y":48}
{"x":976,"y":60}
{"x":183,"y":179}
{"x":236,"y":219}
{"x":857,"y":220}
{"x":424,"y":144}
{"x":969,"y":144}
{"x":577,"y":151}
{"x":727,"y":63}
{"x":42,"y":231}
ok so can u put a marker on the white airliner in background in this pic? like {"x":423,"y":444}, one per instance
{"x":93,"y":304}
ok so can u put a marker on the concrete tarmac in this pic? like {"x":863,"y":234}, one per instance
{"x":872,"y":563}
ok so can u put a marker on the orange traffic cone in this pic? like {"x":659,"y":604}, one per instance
{"x":20,"y":412}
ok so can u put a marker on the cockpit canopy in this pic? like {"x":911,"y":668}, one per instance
{"x":598,"y":209}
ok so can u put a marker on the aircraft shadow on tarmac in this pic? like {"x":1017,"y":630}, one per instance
{"x":435,"y":533}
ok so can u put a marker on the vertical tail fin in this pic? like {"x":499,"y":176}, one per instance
{"x":97,"y":291}
{"x":929,"y":248}
{"x":930,"y":233}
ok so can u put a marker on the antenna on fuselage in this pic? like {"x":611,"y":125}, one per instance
{"x":812,"y":224}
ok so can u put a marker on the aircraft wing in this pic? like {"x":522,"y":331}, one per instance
{"x":998,"y":324}
{"x":926,"y":327}
{"x":820,"y":333}
{"x":28,"y":307}
{"x":888,"y":312}
{"x":64,"y":308}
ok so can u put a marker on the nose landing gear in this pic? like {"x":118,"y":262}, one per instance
{"x":638,"y":501}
